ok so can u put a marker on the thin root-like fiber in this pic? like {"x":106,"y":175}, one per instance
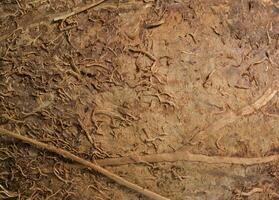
{"x":230,"y":116}
{"x":78,"y":10}
{"x":187,"y":156}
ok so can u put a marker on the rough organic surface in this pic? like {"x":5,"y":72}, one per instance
{"x":136,"y":83}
